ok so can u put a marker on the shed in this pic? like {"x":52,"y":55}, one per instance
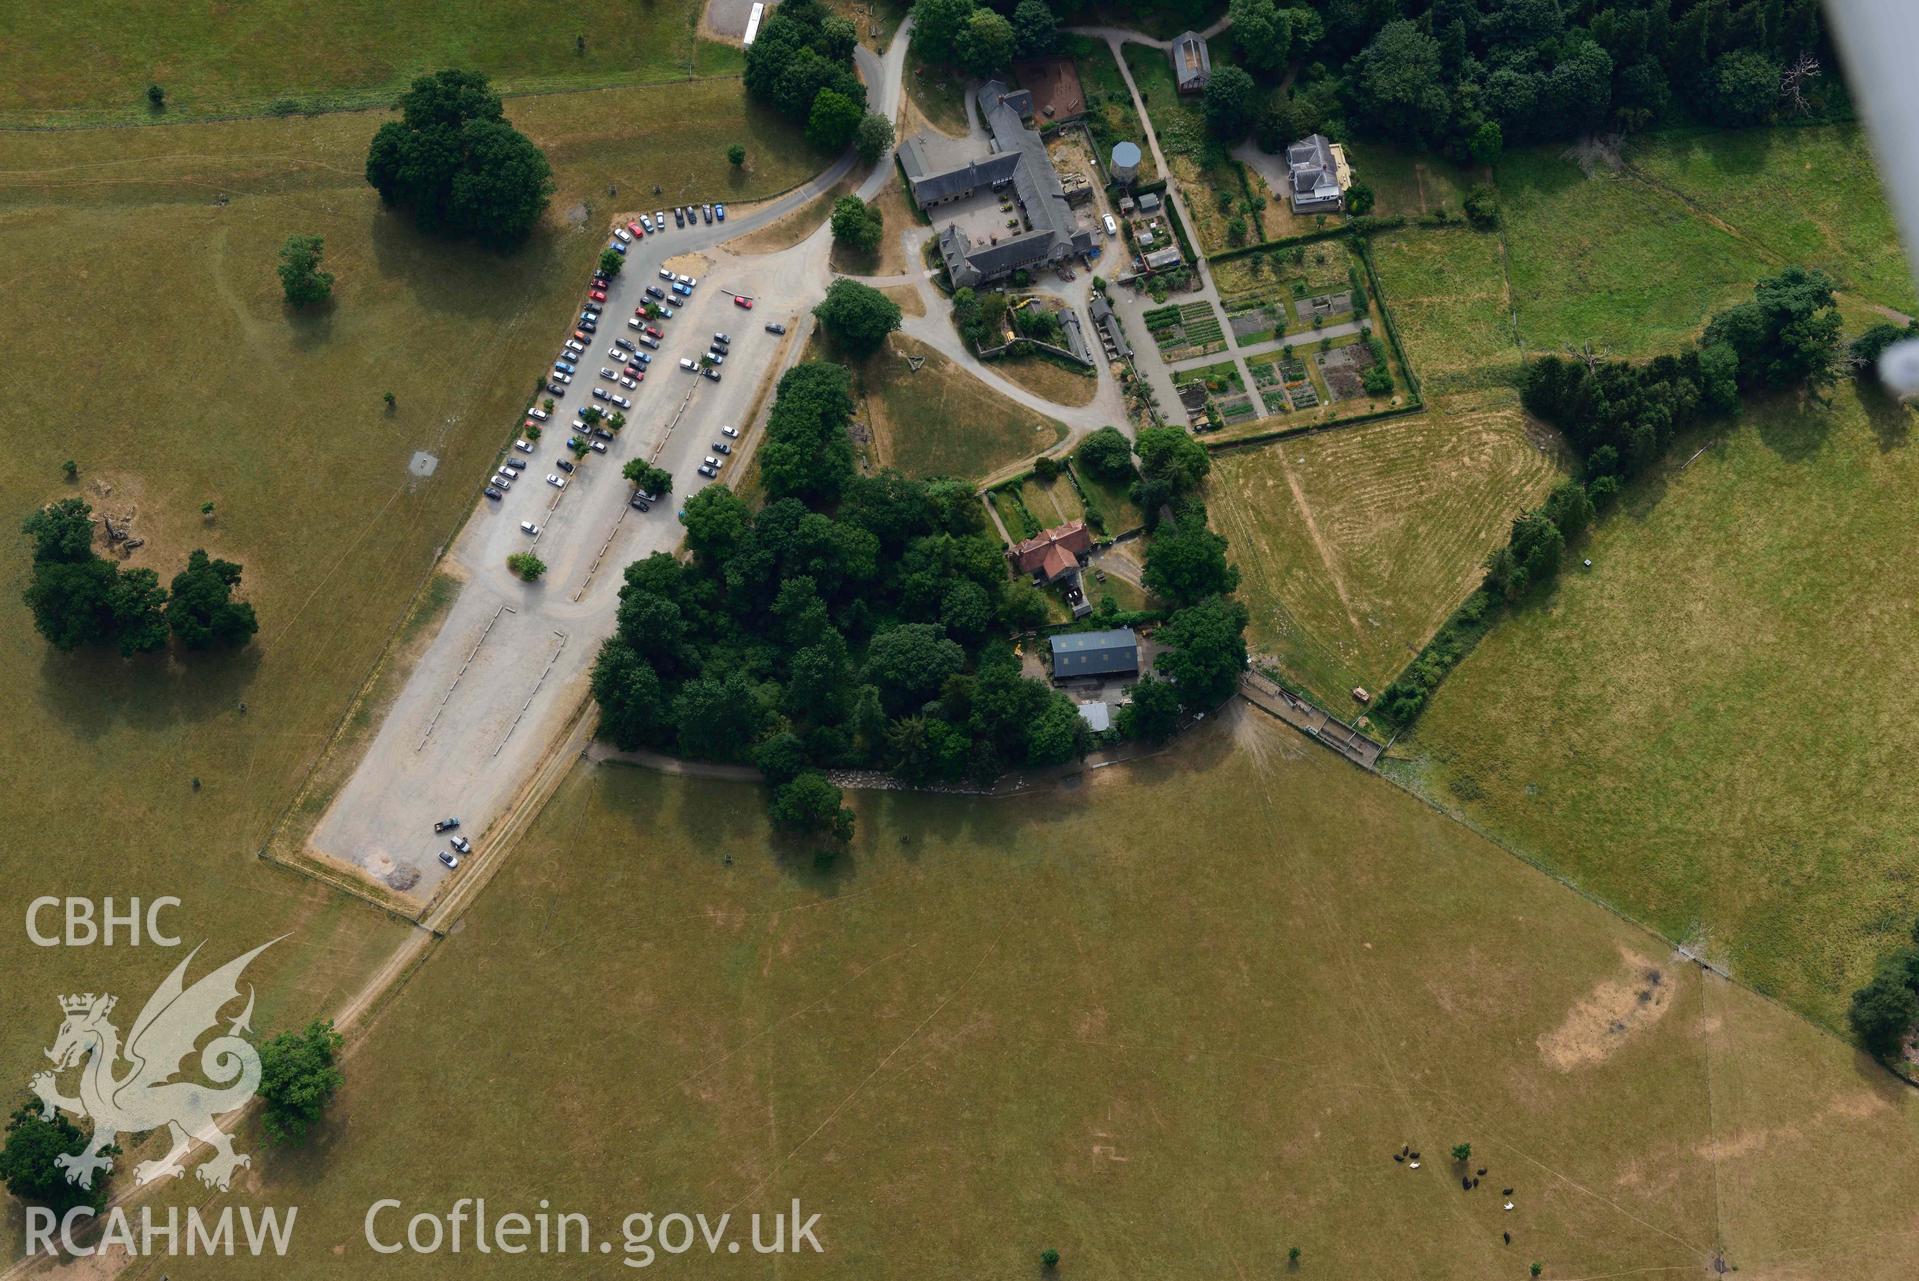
{"x":1098,"y":716}
{"x":1109,"y":653}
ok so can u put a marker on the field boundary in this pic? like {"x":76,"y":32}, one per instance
{"x":1257,"y":439}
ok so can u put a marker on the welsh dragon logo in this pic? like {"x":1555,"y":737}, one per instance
{"x":144,"y":1096}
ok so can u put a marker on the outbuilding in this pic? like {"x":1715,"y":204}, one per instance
{"x":1078,"y":655}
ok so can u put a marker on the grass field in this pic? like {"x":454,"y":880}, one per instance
{"x":200,"y":387}
{"x":92,"y":65}
{"x":1708,"y":728}
{"x":1235,"y":1040}
{"x":1353,"y":546}
{"x":941,"y":421}
{"x":1116,"y":509}
{"x":1054,"y":379}
{"x":1447,"y":292}
{"x":1408,"y":184}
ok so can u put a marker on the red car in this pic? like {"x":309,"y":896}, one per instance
{"x":744,"y":304}
{"x":597,"y":295}
{"x":651,"y":332}
{"x":635,"y":228}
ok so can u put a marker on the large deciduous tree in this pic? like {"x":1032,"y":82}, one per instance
{"x":454,"y":162}
{"x":857,"y":317}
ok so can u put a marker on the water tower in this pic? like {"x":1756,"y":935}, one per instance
{"x":1125,"y":166}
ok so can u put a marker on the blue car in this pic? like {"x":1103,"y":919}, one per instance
{"x":617,"y":245}
{"x":719,"y":212}
{"x":563,"y":367}
{"x":682,"y":291}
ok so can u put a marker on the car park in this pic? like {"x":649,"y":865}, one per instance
{"x":493,"y":493}
{"x":776,"y":329}
{"x":730,"y":430}
{"x":514,"y":464}
{"x":451,"y":860}
{"x":746,"y":304}
{"x":712,"y":374}
{"x":622,"y":235}
{"x":721,"y":447}
{"x":621,"y":401}
{"x":564,"y":465}
{"x":630,"y":381}
{"x":524,"y":446}
{"x":445,"y":825}
{"x":558,"y":482}
{"x":461,"y":844}
{"x":688,"y":365}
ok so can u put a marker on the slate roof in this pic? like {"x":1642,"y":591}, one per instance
{"x":1107,"y":653}
{"x":1192,"y":63}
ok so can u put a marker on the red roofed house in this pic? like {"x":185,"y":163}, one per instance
{"x":1052,"y":553}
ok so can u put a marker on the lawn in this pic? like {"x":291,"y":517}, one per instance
{"x":942,"y":421}
{"x":1218,"y":988}
{"x":1051,"y":377}
{"x":1709,"y":728}
{"x":1116,"y":509}
{"x":1447,"y":292}
{"x":1053,"y":502}
{"x":939,"y":95}
{"x":1110,"y":114}
{"x":1836,"y":217}
{"x":92,"y":64}
{"x":202,"y":388}
{"x":1353,"y":546}
{"x":1408,"y":184}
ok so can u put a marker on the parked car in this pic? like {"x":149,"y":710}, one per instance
{"x":715,"y":463}
{"x":731,"y":431}
{"x":719,"y":213}
{"x":615,"y":353}
{"x":633,"y":227}
{"x":445,"y":825}
{"x":514,"y":464}
{"x":679,"y":215}
{"x":688,"y":365}
{"x":576,"y":344}
{"x":562,"y":377}
{"x":597,"y":446}
{"x":707,"y":472}
{"x":648,"y":340}
{"x":602,"y":432}
{"x":622,"y":235}
{"x":558,"y":482}
{"x":706,"y":211}
{"x":722,"y":340}
{"x":715,"y":355}
{"x":555,"y":386}
{"x":640,"y":503}
{"x":666,"y":313}
{"x":493,"y":493}
{"x":451,"y":860}
{"x":461,"y":844}
{"x":621,"y":401}
{"x":564,"y":465}
{"x":537,"y":412}
{"x":635,"y":323}
{"x":641,"y":356}
{"x":776,"y":329}
{"x":646,"y":222}
{"x":600,"y":393}
{"x":664,"y":275}
{"x":597,"y":295}
{"x":712,"y":374}
{"x":580,"y":334}
{"x":564,"y":367}
{"x":746,"y":304}
{"x":618,"y":246}
{"x":630,"y":381}
{"x":625,"y":344}
{"x":682,"y":290}
{"x":659,"y":216}
{"x":721,"y":447}
{"x":611,"y":375}
{"x":653,"y":331}
{"x":503,"y":480}
{"x":524,"y":446}
{"x":655,"y":292}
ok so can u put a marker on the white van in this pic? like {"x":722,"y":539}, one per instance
{"x":1112,"y":228}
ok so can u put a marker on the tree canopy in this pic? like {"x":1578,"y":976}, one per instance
{"x":299,"y":1076}
{"x":458,"y":166}
{"x":301,"y":279}
{"x":857,"y":224}
{"x":27,"y":1166}
{"x":800,"y":53}
{"x":857,"y":317}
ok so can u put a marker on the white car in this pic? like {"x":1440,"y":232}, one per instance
{"x":734,"y":432}
{"x":529,"y":527}
{"x":715,"y":356}
{"x":609,"y":374}
{"x":665,"y":274}
{"x":622,"y":235}
{"x":714,"y":463}
{"x":504,"y":478}
{"x":574,"y":344}
{"x":614,"y":353}
{"x":524,"y":446}
{"x":621,"y":401}
{"x":659,"y":219}
{"x":597,"y":446}
{"x":538,"y":413}
{"x":631,"y":384}
{"x":560,"y":376}
{"x":689,"y":366}
{"x":556,"y":480}
{"x":450,"y":859}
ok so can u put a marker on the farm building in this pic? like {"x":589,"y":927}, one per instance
{"x":1052,"y":554}
{"x":1086,"y":654}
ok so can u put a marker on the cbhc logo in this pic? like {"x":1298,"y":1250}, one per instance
{"x":84,"y":926}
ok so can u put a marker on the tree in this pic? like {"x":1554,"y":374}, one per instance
{"x":1172,"y":454}
{"x":716,"y":521}
{"x":136,"y":604}
{"x":1049,"y":1258}
{"x":1263,"y":34}
{"x":807,"y":454}
{"x":1035,"y":29}
{"x":71,"y":469}
{"x":1569,"y":507}
{"x":1398,"y":84}
{"x":647,"y":478}
{"x":857,"y":224}
{"x":1869,"y":346}
{"x":1788,"y":335}
{"x":156,"y":97}
{"x":457,"y":165}
{"x":937,"y":25}
{"x":1204,"y":652}
{"x":857,"y":317}
{"x":1885,"y":1010}
{"x":1186,"y":562}
{"x":810,"y":806}
{"x":528,"y":566}
{"x":202,"y":611}
{"x":392,"y":402}
{"x":873,"y":137}
{"x":612,"y":261}
{"x":633,"y":707}
{"x":985,"y":43}
{"x":1359,"y":199}
{"x":833,"y":120}
{"x":71,"y":602}
{"x":1462,"y":1152}
{"x":301,"y":279}
{"x":1743,"y":88}
{"x":718,"y":719}
{"x":61,"y":532}
{"x":1487,"y":144}
{"x":1230,"y":103}
{"x":299,"y":1075}
{"x":1106,"y":455}
{"x":736,"y":155}
{"x":909,"y":662}
{"x":27,"y":1160}
{"x":1153,"y":713}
